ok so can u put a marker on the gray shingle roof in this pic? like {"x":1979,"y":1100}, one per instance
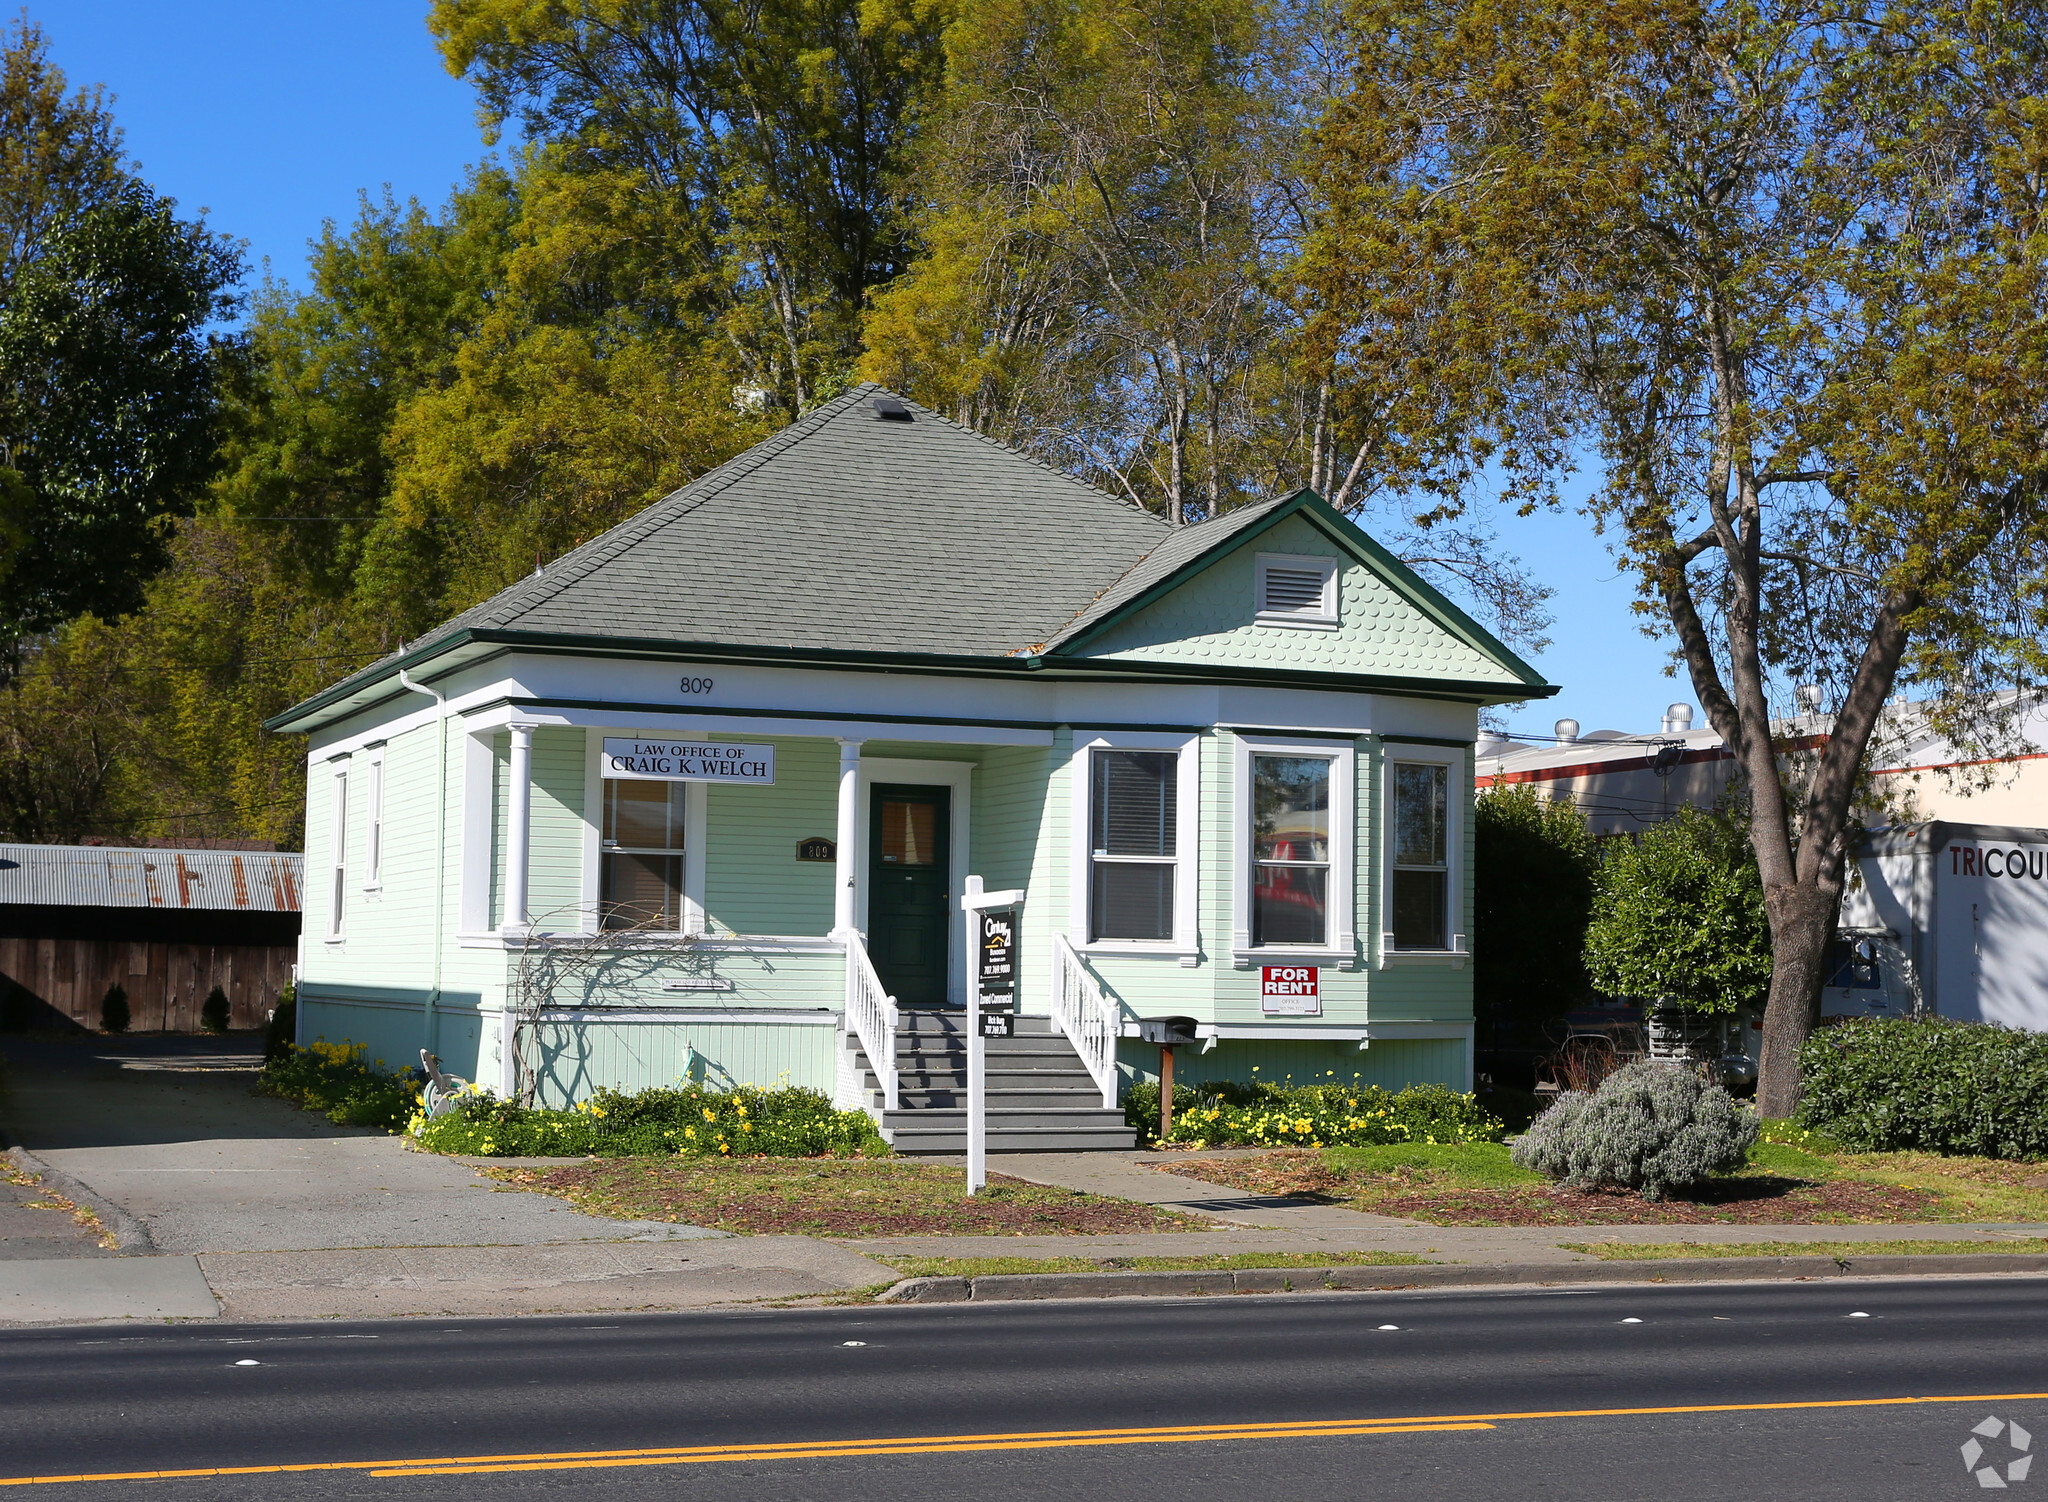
{"x":847,"y":532}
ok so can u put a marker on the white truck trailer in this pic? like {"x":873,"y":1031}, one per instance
{"x":1957,"y":913}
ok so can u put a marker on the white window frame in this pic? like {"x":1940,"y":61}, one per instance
{"x":337,"y":848}
{"x":373,"y":822}
{"x":1325,"y":619}
{"x":695,"y":795}
{"x":1340,"y":945}
{"x":1456,"y":795}
{"x":1185,"y":945}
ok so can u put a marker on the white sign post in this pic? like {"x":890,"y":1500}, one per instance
{"x":972,"y":902}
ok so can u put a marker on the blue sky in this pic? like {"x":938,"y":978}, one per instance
{"x":274,"y":117}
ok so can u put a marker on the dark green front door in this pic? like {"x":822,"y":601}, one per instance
{"x":909,"y":914}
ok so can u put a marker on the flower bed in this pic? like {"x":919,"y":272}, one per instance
{"x":1265,"y":1114}
{"x":340,"y":1082}
{"x":750,"y":1121}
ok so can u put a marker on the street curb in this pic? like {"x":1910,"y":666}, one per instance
{"x":1007,"y":1287}
{"x":131,"y":1236}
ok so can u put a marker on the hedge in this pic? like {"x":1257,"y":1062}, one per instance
{"x":339,"y":1081}
{"x":787,"y":1122}
{"x":1224,"y":1113}
{"x":1931,"y":1084}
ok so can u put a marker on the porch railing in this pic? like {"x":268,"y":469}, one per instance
{"x":871,"y":1013}
{"x":1090,"y":1020}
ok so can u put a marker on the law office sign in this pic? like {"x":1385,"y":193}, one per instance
{"x":688,"y":761}
{"x":1291,"y":990}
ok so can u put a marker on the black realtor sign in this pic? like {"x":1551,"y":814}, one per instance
{"x":998,"y":955}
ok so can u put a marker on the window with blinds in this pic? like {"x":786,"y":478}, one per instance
{"x":1133,"y":856}
{"x":641,"y":879}
{"x":1297,"y":590}
{"x":1422,"y":868}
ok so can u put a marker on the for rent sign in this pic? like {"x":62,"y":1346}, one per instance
{"x":688,"y":761}
{"x":1291,"y":990}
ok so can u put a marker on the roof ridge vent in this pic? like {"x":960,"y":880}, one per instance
{"x":891,"y":409}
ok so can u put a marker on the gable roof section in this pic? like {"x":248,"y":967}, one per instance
{"x":1415,"y":631}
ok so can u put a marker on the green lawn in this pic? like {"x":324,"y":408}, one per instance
{"x":1842,"y":1251}
{"x":851,"y":1197}
{"x":1791,"y":1178}
{"x":976,"y":1267}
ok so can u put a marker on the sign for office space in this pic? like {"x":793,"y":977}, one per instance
{"x":688,"y":761}
{"x":998,"y":950}
{"x":1291,"y":990}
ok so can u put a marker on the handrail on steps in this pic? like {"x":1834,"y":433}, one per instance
{"x":1084,"y":1012}
{"x":871,"y":1013}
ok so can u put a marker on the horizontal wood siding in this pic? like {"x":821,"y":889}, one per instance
{"x":579,"y":1058}
{"x":59,"y":982}
{"x":754,"y":884}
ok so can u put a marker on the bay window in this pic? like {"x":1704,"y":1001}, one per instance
{"x":1421,"y":863}
{"x":1291,"y":850}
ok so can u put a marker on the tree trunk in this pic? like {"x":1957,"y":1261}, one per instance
{"x":1802,"y":922}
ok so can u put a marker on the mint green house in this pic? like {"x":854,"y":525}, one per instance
{"x":700,"y":799}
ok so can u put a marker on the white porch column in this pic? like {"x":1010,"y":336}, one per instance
{"x":849,"y":837}
{"x":519,"y":830}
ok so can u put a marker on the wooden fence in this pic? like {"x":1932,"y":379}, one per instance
{"x":65,"y":978}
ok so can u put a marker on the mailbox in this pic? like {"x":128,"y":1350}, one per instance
{"x":1167,"y":1032}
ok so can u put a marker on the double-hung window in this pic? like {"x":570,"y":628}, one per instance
{"x":641,"y":875}
{"x":1291,"y":850}
{"x":373,"y":855}
{"x":1133,"y":850}
{"x":1420,"y":900}
{"x":337,"y":846}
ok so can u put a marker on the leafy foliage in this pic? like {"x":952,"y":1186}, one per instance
{"x":1679,"y":913}
{"x":340,"y":1082}
{"x":281,"y":1031}
{"x":1890,"y":1084}
{"x":214,"y":1011}
{"x":787,"y":1122}
{"x":1264,"y":1114}
{"x":1650,"y":1127}
{"x":1533,"y":874}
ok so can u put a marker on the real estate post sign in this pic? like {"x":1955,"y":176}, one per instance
{"x":997,"y":954}
{"x":1291,"y":990}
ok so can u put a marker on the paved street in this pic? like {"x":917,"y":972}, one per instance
{"x":1472,"y":1396}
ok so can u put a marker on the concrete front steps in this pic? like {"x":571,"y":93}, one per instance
{"x":1040,"y":1095}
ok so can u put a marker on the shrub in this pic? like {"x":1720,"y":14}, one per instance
{"x":1652,"y":1127}
{"x":213,"y":1012}
{"x":788,"y":1122}
{"x":283,"y":1028}
{"x":114,"y":1009}
{"x":1266,"y":1114}
{"x":1887,"y":1084}
{"x":337,"y":1080}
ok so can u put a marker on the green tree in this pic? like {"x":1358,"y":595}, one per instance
{"x":1679,"y":913}
{"x":70,"y":747}
{"x":1780,"y":272}
{"x":106,"y":400}
{"x":60,"y":154}
{"x":1532,"y":875}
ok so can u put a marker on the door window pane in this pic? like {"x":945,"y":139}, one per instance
{"x":1421,"y":876}
{"x":1290,"y":849}
{"x":910,"y":833}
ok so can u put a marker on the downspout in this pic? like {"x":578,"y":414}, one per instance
{"x":440,"y":852}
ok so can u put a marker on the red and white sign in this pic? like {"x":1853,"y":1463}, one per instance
{"x":1291,"y":990}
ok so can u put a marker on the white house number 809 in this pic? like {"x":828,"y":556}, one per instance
{"x":696,"y":685}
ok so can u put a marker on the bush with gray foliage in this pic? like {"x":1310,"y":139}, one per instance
{"x":1652,"y":1127}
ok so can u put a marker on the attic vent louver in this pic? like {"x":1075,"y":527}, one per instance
{"x":889,"y":409}
{"x":1296,"y":590}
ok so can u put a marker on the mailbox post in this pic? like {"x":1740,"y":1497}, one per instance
{"x":992,"y":969}
{"x":1169,"y":1033}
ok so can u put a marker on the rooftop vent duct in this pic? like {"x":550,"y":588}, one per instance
{"x":1807,"y":697}
{"x":891,"y":409}
{"x":1566,"y":731}
{"x":1677,"y":718}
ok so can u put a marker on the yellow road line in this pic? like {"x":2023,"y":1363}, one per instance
{"x":1049,"y":1439}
